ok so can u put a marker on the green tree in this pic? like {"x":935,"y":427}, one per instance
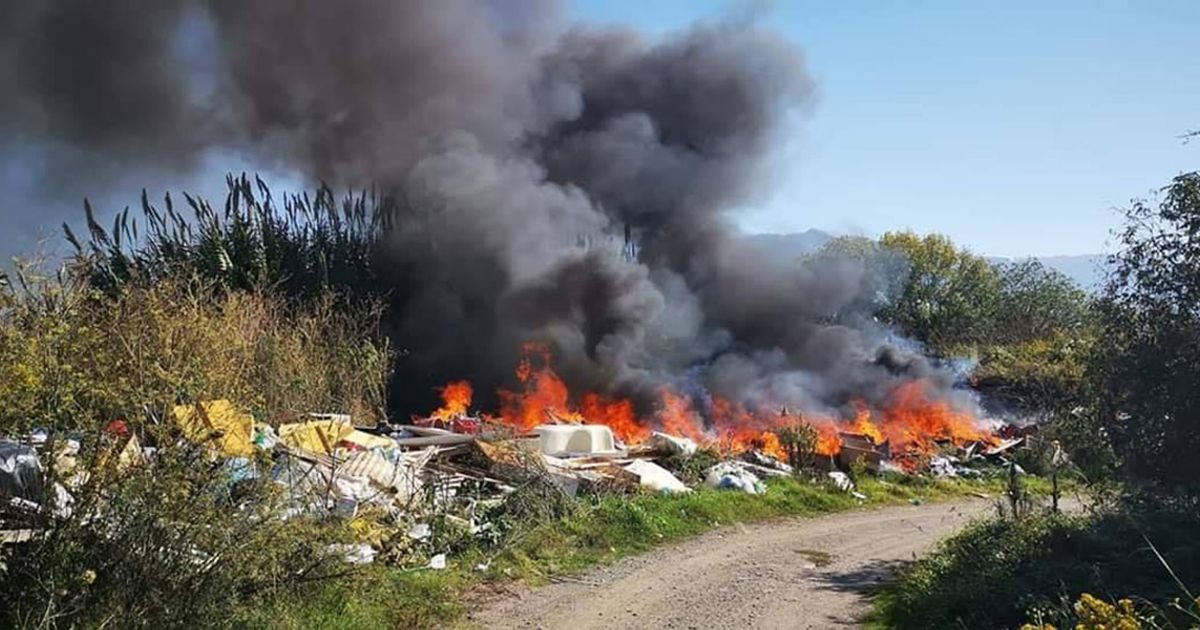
{"x":1036,"y":302}
{"x":949,"y":296}
{"x":1148,"y":365}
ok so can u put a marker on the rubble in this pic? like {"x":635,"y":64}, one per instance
{"x":858,"y":448}
{"x":841,"y":480}
{"x":672,"y":445}
{"x":576,"y":439}
{"x":655,"y":477}
{"x":734,"y":475}
{"x":410,"y":486}
{"x":20,"y":472}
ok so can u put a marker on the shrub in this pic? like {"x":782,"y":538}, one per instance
{"x":178,"y":538}
{"x":1000,"y":573}
{"x":175,"y":540}
{"x":800,"y":443}
{"x":71,"y":358}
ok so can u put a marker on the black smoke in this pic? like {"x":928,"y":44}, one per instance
{"x":563,"y":183}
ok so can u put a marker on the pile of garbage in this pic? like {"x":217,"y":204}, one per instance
{"x":410,"y":491}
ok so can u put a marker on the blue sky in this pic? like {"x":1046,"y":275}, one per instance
{"x":1013,"y":127}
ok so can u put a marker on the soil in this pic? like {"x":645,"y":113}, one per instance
{"x":797,"y":573}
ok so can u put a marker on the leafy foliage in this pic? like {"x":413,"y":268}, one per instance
{"x":999,"y":573}
{"x":799,"y":441}
{"x":70,"y":358}
{"x":950,"y":295}
{"x":1037,"y":303}
{"x":162,"y":542}
{"x":1148,"y":360}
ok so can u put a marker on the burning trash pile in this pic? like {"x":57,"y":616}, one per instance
{"x":410,"y":491}
{"x":413,"y":493}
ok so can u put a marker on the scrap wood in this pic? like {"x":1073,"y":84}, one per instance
{"x":14,"y":536}
{"x":503,"y":455}
{"x":1004,"y":446}
{"x":451,"y":439}
{"x":471,"y":474}
{"x":424,"y":431}
{"x":593,"y":461}
{"x":613,"y":478}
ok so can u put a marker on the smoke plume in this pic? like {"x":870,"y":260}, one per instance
{"x":562,"y":183}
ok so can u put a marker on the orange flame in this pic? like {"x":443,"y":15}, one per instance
{"x":617,"y":415}
{"x":676,"y":416}
{"x":456,"y":400}
{"x":912,"y":422}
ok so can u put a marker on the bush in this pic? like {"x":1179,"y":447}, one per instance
{"x":71,"y":358}
{"x":1148,"y":361}
{"x":178,"y":538}
{"x":1001,"y":573}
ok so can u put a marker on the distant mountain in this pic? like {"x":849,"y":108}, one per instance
{"x":1086,"y":270}
{"x":789,"y":247}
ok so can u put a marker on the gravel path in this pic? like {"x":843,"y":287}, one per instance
{"x":799,"y":573}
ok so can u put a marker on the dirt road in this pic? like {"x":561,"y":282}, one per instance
{"x":802,"y":573}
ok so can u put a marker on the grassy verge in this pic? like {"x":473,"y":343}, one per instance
{"x":599,"y":531}
{"x":1004,"y":573}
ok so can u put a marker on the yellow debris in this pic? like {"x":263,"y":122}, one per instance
{"x":219,"y":424}
{"x":323,"y":436}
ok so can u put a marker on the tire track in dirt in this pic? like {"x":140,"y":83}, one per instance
{"x":796,"y":573}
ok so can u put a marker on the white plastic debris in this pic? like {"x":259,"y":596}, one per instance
{"x":673,"y":444}
{"x":420,"y":531}
{"x":656,"y":477}
{"x":732,"y":476}
{"x":841,"y":480}
{"x":438,"y":562}
{"x":576,"y":439}
{"x":940,"y":466}
{"x":766,"y":464}
{"x":858,"y":495}
{"x":359,"y":554}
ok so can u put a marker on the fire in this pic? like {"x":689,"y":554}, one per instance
{"x":912,"y":421}
{"x":617,"y":415}
{"x":862,"y":424}
{"x":544,"y":399}
{"x":828,"y":441}
{"x":677,"y":418}
{"x":456,"y":400}
{"x":773,"y":447}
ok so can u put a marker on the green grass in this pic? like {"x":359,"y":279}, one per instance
{"x":1002,"y":573}
{"x":599,"y":531}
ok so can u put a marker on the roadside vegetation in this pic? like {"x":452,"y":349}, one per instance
{"x":1131,"y":429}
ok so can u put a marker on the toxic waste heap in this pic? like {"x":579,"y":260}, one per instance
{"x":908,"y":430}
